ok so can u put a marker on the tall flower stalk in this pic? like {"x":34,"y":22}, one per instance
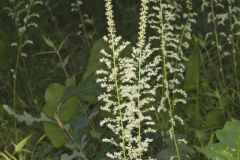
{"x":21,"y":12}
{"x":127,"y":94}
{"x":223,"y":17}
{"x":172,"y":38}
{"x":131,"y":82}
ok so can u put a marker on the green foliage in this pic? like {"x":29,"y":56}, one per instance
{"x":192,"y":72}
{"x":26,"y":117}
{"x":20,"y":146}
{"x":93,"y":63}
{"x":60,"y":111}
{"x":55,"y":134}
{"x":228,"y":147}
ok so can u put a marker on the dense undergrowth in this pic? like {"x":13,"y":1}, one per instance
{"x":155,"y":79}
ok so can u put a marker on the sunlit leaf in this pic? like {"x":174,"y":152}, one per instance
{"x":20,"y":146}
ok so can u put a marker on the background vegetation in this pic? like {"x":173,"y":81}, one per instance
{"x":49,"y":108}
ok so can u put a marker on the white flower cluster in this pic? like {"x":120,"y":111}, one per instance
{"x":23,"y":16}
{"x":172,"y":38}
{"x":223,"y":16}
{"x":222,"y":13}
{"x":83,"y":20}
{"x":132,"y":84}
{"x":127,"y":95}
{"x":21,"y":12}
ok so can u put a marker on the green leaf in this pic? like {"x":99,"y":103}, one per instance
{"x":62,"y":43}
{"x":26,"y":117}
{"x":228,"y":147}
{"x":87,"y":90}
{"x":214,"y":119}
{"x":55,"y":134}
{"x":203,"y":136}
{"x":68,"y":108}
{"x":20,"y":146}
{"x":66,"y":60}
{"x":53,"y":95}
{"x":63,"y":108}
{"x":230,"y":134}
{"x":93,"y":62}
{"x":49,"y":42}
{"x":192,"y":72}
{"x":70,"y":81}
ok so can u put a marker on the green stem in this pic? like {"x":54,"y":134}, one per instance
{"x":35,"y":145}
{"x":9,"y":155}
{"x":233,"y":48}
{"x":61,"y":62}
{"x":4,"y":156}
{"x":217,"y":41}
{"x":118,"y":97}
{"x":83,"y":26}
{"x":165,"y":79}
{"x":19,"y":50}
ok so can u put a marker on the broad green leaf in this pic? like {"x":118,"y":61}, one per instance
{"x":228,"y":147}
{"x":20,"y":146}
{"x":202,"y":136}
{"x":53,"y":96}
{"x":214,"y":119}
{"x":230,"y":134}
{"x":54,"y":93}
{"x":93,"y":62}
{"x":64,"y":109}
{"x":68,"y":108}
{"x":55,"y":134}
{"x":87,"y":90}
{"x":218,"y":152}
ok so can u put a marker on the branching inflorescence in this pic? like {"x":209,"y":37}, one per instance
{"x":172,"y":38}
{"x":223,"y":16}
{"x":24,"y":18}
{"x":132,"y":84}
